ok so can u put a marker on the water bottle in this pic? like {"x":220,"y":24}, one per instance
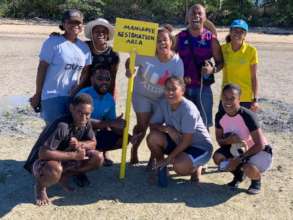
{"x":162,"y":177}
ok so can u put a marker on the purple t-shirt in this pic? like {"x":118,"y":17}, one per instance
{"x":202,"y":50}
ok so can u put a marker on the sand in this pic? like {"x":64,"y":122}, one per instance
{"x":133,"y":198}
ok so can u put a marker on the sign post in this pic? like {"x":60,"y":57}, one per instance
{"x":134,"y":37}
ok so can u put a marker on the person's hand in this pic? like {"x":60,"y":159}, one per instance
{"x":234,"y":138}
{"x":35,"y":101}
{"x":80,"y":154}
{"x":255,"y":106}
{"x":74,"y":143}
{"x":173,"y":133}
{"x":128,"y":73}
{"x":165,"y":162}
{"x":119,"y":122}
{"x":74,"y":89}
{"x":207,"y":68}
{"x":187,"y":80}
{"x":233,"y":164}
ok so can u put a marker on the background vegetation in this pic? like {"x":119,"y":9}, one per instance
{"x":257,"y":12}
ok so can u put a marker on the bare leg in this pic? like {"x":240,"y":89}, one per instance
{"x":156,"y":142}
{"x":139,"y":132}
{"x":48,"y":173}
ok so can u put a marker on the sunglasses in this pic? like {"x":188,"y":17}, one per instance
{"x":103,"y":78}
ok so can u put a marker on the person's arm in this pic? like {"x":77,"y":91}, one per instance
{"x":184,"y":143}
{"x":41,"y":74}
{"x":224,"y":141}
{"x":254,"y":83}
{"x":84,"y":80}
{"x":86,"y":144}
{"x":208,"y":67}
{"x":47,"y":154}
{"x":210,"y":26}
{"x":217,"y":55}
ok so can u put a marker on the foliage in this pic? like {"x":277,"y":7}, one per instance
{"x":257,"y":12}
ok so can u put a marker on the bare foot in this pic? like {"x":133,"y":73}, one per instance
{"x":64,"y":184}
{"x":41,"y":195}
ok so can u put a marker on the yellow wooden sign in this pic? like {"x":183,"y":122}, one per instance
{"x":134,"y":35}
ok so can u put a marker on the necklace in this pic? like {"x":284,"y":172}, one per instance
{"x":96,"y":51}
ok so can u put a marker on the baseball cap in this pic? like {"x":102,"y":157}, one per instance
{"x":72,"y":14}
{"x":239,"y":23}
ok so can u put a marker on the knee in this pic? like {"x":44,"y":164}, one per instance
{"x":140,"y":128}
{"x":154,"y":140}
{"x":96,"y":159}
{"x":182,"y":168}
{"x":52,"y":172}
{"x":218,"y":158}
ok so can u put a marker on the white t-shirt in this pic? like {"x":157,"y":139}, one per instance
{"x":152,"y":74}
{"x":66,"y":61}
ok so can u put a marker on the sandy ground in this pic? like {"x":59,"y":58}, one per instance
{"x":134,"y":198}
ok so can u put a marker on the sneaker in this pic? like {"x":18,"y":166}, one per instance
{"x":254,"y":187}
{"x":234,"y":183}
{"x":238,"y":178}
{"x":81,"y":180}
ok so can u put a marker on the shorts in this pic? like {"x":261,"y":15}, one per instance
{"x":67,"y":165}
{"x":204,"y":103}
{"x":199,"y":157}
{"x":144,"y":104}
{"x":106,"y":140}
{"x":54,"y":108}
{"x":262,"y":160}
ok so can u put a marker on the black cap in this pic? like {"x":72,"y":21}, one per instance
{"x":72,"y":14}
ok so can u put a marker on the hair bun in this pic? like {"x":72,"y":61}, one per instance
{"x":168,"y":27}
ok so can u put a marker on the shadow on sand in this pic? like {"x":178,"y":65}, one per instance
{"x":16,"y":187}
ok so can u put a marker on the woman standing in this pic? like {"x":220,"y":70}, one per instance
{"x":100,"y":31}
{"x":197,"y":46}
{"x":62,"y":60}
{"x":149,"y":83}
{"x":240,"y":64}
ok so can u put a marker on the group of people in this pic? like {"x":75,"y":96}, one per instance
{"x":76,"y":95}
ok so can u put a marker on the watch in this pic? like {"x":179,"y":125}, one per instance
{"x":255,"y":99}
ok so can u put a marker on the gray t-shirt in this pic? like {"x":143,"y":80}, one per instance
{"x":66,"y":61}
{"x":185,"y":119}
{"x":152,"y":74}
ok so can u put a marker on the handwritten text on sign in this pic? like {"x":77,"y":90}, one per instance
{"x":135,"y":35}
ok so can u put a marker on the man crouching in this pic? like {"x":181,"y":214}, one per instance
{"x":64,"y":148}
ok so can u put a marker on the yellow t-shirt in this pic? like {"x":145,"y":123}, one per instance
{"x":237,"y":68}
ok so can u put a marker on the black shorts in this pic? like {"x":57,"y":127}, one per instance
{"x":198,"y":156}
{"x":225,"y":151}
{"x":107,"y":140}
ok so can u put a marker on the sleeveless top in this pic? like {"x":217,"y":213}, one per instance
{"x":193,"y":61}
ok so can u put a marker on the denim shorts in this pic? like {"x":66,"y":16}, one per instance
{"x":54,"y":108}
{"x":203,"y":102}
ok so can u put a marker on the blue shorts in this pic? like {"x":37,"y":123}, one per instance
{"x":54,"y":108}
{"x":204,"y":103}
{"x":199,"y":157}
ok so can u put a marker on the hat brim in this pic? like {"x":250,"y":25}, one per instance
{"x":239,"y":26}
{"x":89,"y":28}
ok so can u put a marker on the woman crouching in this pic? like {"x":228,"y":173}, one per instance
{"x":177,"y":130}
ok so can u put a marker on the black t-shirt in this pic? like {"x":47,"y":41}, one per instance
{"x":57,"y":136}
